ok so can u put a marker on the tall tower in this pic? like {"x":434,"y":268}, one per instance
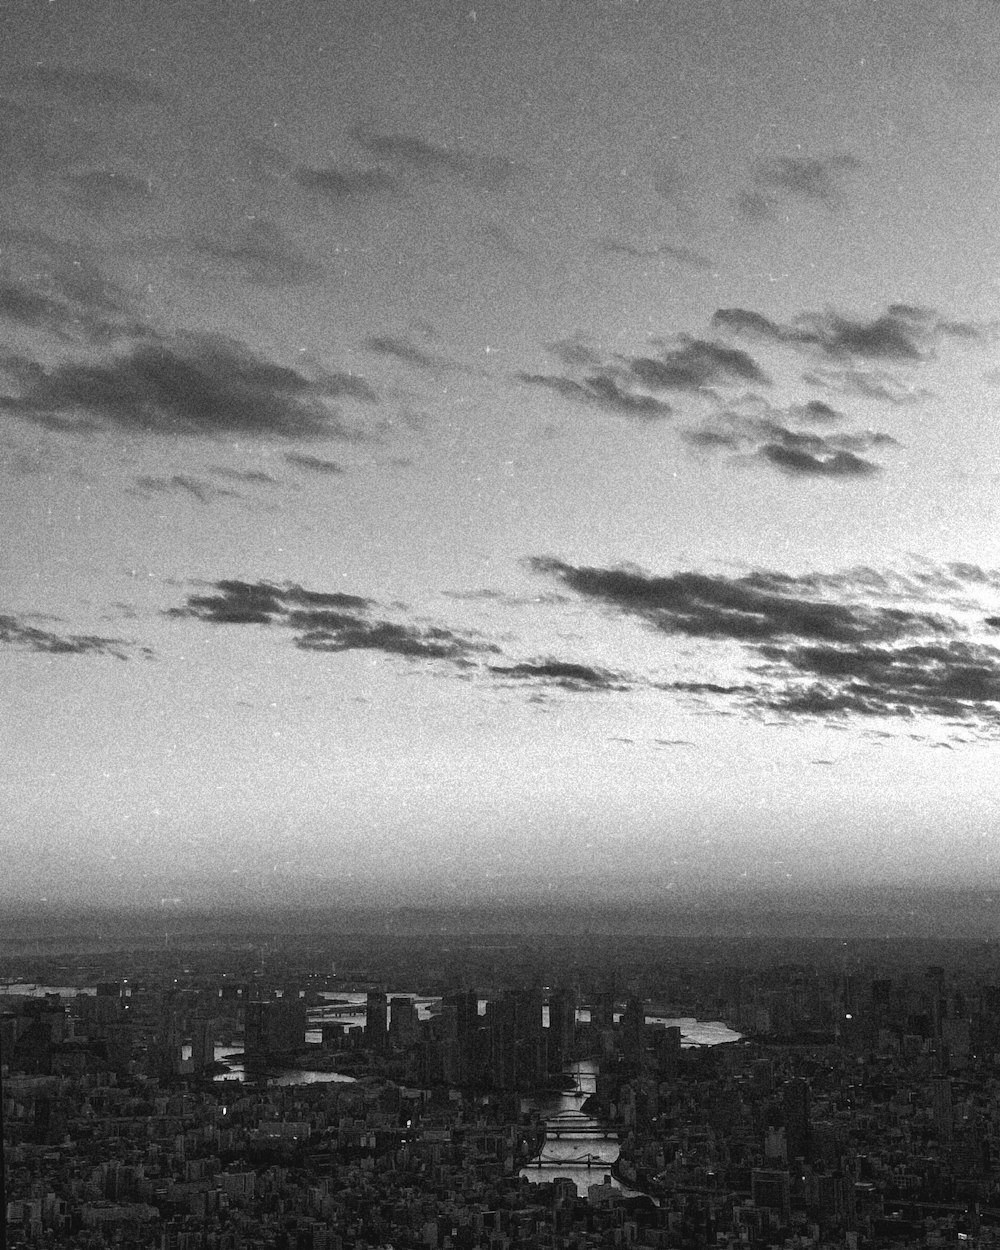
{"x":376,"y":1020}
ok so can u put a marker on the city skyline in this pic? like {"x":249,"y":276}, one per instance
{"x":506,"y":452}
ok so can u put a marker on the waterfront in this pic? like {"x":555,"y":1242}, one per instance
{"x":587,"y":1153}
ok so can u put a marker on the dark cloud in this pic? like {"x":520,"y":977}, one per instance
{"x":952,"y":678}
{"x":903,"y":334}
{"x":855,"y":643}
{"x":418,"y":155}
{"x":400,"y":348}
{"x":602,"y":390}
{"x":113,"y":88}
{"x":563,"y":673}
{"x":430,"y":643}
{"x":260,"y":253}
{"x":236,"y":602}
{"x":102,"y":190}
{"x":327,"y":621}
{"x":195,"y":385}
{"x":18,"y":632}
{"x":754,"y":608}
{"x":696,"y":364}
{"x":797,"y":461}
{"x":314,"y":464}
{"x":339,"y":184}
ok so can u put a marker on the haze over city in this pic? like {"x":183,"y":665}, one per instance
{"x":498,"y":452}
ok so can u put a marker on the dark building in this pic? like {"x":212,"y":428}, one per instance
{"x":376,"y":1020}
{"x":798,"y":1128}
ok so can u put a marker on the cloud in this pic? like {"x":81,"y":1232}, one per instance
{"x":55,"y":287}
{"x":238,"y":602}
{"x":903,"y":334}
{"x":113,"y":88}
{"x":953,"y":678}
{"x":327,"y":621}
{"x":797,"y":452}
{"x":604,"y":391}
{"x":859,"y":642}
{"x":623,"y":386}
{"x":696,"y":364}
{"x":400,"y":348}
{"x":754,"y":608}
{"x":16,"y":631}
{"x":314,"y":464}
{"x":259,"y":253}
{"x":203,"y":385}
{"x":420,"y":156}
{"x":562,"y":673}
{"x":797,"y":461}
{"x":685,"y":256}
{"x":351,"y":634}
{"x":252,"y":477}
{"x":339,"y":184}
{"x":820,"y":180}
{"x":182,"y":483}
{"x":866,"y":384}
{"x":102,"y":190}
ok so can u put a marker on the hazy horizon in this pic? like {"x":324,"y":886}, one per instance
{"x":528,"y":453}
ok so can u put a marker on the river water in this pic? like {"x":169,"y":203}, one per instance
{"x":585,"y":1154}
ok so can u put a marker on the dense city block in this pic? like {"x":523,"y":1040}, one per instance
{"x":493,"y":1093}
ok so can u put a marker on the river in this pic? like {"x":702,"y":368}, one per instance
{"x":586,"y":1153}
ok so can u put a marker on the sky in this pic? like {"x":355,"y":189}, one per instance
{"x":509,"y":450}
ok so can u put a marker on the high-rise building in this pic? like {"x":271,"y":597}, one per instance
{"x":403,"y":1027}
{"x":562,"y":1029}
{"x":942,"y":1108}
{"x":376,"y":1020}
{"x":771,"y":1191}
{"x":795,"y":1104}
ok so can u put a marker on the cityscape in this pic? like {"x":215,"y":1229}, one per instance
{"x":499,"y":624}
{"x":322,"y":1091}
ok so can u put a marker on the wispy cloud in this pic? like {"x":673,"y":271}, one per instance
{"x":568,"y":675}
{"x":602,"y":390}
{"x":259,"y":253}
{"x":55,"y":287}
{"x":182,"y":483}
{"x":630,"y":385}
{"x":203,"y":385}
{"x":314,"y":464}
{"x":18,"y":631}
{"x":339,"y":184}
{"x":684,"y":256}
{"x":399,"y":347}
{"x":421,"y":156}
{"x":772,"y":440}
{"x":820,"y":179}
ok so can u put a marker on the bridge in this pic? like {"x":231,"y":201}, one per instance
{"x":586,"y":1161}
{"x":579,"y":1134}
